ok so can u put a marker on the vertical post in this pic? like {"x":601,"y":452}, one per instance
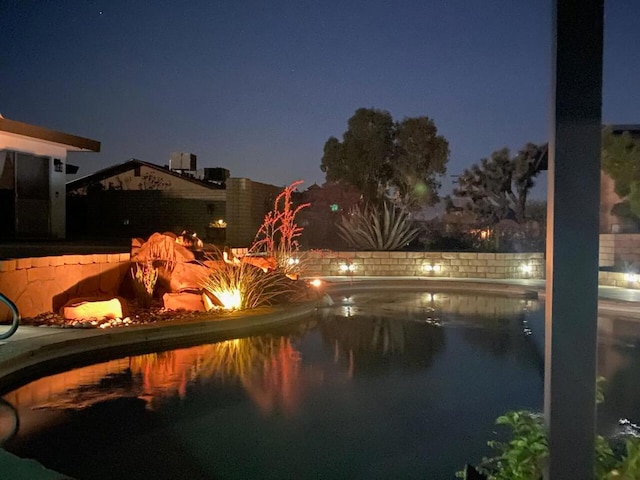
{"x":572,"y":238}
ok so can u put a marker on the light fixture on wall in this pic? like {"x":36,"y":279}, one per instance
{"x":427,"y":267}
{"x":347,"y":267}
{"x":526,"y":268}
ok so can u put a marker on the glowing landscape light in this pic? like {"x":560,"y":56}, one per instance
{"x":427,"y":267}
{"x":526,"y":268}
{"x":631,"y":277}
{"x":347,"y":267}
{"x":316,"y":282}
{"x":230,"y":299}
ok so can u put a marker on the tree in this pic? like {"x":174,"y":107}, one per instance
{"x":401,"y":161}
{"x":621,"y":161}
{"x":498,"y":188}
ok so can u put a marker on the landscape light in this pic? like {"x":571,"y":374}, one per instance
{"x":427,"y":267}
{"x":526,"y":268}
{"x":230,"y":299}
{"x":316,"y":282}
{"x":631,"y":277}
{"x":347,"y":267}
{"x":293,"y":261}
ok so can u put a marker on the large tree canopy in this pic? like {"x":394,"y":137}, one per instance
{"x":498,"y":188}
{"x":402,"y":161}
{"x":621,"y":161}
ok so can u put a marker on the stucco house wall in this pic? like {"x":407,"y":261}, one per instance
{"x":137,"y":198}
{"x":247,"y":204}
{"x":21,"y":138}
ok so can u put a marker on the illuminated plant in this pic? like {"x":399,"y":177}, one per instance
{"x":245,"y":286}
{"x":277,"y":235}
{"x":369,"y":228}
{"x":237,"y":359}
{"x":145,"y":276}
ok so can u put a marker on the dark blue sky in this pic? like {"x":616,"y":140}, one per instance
{"x":258,"y":86}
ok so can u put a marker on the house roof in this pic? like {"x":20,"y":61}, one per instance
{"x":70,"y":142}
{"x":130,"y":165}
{"x":633,"y":129}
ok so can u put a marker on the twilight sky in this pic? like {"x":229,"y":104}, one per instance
{"x":258,"y":86}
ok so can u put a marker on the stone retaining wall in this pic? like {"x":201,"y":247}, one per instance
{"x":619,"y":248}
{"x":619,"y":279}
{"x":425,"y":264}
{"x":44,"y":284}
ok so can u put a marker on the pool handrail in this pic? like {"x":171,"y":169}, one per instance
{"x":16,"y":317}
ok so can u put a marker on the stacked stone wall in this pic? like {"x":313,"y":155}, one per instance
{"x":620,"y":249}
{"x":44,"y":284}
{"x":426,"y":264}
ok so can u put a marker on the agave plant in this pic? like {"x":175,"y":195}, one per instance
{"x":372,"y":228}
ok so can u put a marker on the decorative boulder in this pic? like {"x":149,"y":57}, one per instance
{"x":264,"y":263}
{"x":187,"y":276}
{"x":163,"y":247}
{"x":183,"y":301}
{"x":95,"y":308}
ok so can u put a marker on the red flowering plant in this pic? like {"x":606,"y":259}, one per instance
{"x":277,"y":235}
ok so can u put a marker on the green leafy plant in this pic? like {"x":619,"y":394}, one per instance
{"x":372,"y":228}
{"x":145,"y":276}
{"x":523,"y":457}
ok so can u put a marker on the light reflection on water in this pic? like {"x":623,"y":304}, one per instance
{"x":381,"y":385}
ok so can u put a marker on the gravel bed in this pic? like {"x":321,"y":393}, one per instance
{"x":137,"y":316}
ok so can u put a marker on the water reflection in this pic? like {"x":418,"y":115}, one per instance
{"x":396,"y":376}
{"x":268,"y":368}
{"x":364,"y":330}
{"x":9,"y":421}
{"x":619,"y":363}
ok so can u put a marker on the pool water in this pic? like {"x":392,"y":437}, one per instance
{"x":381,"y":385}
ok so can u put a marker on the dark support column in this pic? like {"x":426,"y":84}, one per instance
{"x":572,"y":239}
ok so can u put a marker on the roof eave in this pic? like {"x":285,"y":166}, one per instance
{"x":72,"y":143}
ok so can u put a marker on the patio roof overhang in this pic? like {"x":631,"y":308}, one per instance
{"x":71,"y":143}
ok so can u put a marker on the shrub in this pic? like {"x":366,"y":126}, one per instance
{"x":145,"y":276}
{"x":244,"y":286}
{"x":524,"y":456}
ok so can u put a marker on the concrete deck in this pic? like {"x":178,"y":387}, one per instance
{"x":36,"y":351}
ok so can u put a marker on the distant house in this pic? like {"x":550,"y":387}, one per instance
{"x":137,"y":198}
{"x":33,"y":164}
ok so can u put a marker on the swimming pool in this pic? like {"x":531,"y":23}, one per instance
{"x":383,"y":384}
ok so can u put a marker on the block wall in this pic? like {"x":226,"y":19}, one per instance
{"x":426,"y":264}
{"x":619,"y":249}
{"x":247,"y":204}
{"x":44,"y":284}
